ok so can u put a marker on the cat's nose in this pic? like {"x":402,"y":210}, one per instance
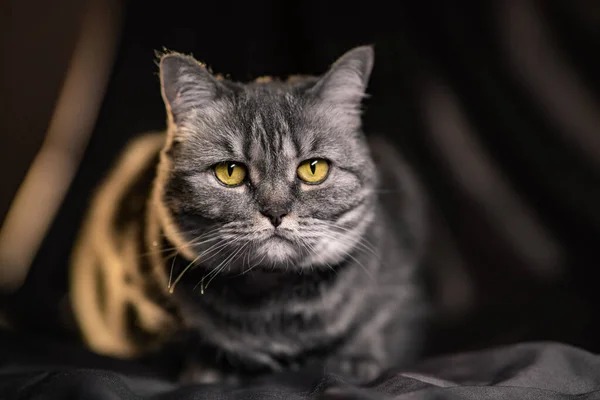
{"x":275,"y":215}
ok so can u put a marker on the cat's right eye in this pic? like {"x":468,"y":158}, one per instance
{"x":230,"y":173}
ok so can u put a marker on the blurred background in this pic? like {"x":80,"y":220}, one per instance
{"x":496,"y":105}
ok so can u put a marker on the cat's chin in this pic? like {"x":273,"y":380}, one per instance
{"x":277,"y":250}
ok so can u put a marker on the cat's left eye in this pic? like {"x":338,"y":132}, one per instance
{"x":230,"y":173}
{"x":313,"y":171}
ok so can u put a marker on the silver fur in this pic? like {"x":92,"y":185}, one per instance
{"x":339,"y":275}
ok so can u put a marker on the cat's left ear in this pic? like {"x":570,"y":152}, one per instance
{"x":186,"y":85}
{"x":346,"y":81}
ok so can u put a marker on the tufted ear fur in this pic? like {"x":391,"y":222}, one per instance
{"x":186,"y":85}
{"x":347,"y":79}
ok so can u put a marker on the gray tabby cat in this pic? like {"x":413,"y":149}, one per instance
{"x":275,"y":234}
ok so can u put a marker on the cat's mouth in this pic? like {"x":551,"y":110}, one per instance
{"x":280,"y":235}
{"x":278,"y":247}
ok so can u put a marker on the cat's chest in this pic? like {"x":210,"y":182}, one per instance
{"x":251,"y":287}
{"x":259,"y":340}
{"x":266,"y":306}
{"x":275,"y":319}
{"x":261,"y":291}
{"x":285,"y":328}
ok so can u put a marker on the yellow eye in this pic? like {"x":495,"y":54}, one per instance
{"x":313,"y":171}
{"x":230,"y":173}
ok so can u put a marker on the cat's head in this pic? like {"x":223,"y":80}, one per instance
{"x":269,"y":173}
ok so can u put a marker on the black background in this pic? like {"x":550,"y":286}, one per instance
{"x":414,"y":41}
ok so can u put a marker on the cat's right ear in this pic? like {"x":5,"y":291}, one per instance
{"x":186,"y":85}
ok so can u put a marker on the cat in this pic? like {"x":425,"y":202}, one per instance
{"x":264,"y":227}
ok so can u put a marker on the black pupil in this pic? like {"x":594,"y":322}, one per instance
{"x":230,"y":168}
{"x":313,"y":166}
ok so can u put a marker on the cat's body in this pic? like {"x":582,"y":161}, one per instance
{"x":304,"y":239}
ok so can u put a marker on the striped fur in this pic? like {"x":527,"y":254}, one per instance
{"x":342,"y":287}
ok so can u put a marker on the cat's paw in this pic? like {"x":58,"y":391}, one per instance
{"x":357,"y":369}
{"x":195,"y":374}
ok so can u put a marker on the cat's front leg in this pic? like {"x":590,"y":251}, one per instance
{"x":195,"y":373}
{"x":358,"y":368}
{"x":376,"y":348}
{"x":361,"y":360}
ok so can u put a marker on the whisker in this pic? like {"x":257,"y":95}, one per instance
{"x":343,"y":229}
{"x":254,"y":266}
{"x":196,"y":241}
{"x":311,"y":250}
{"x":347,"y":253}
{"x":220,"y":264}
{"x":206,"y":235}
{"x":230,"y":261}
{"x":172,"y":288}
{"x":360,"y":242}
{"x":212,"y":273}
{"x":174,"y":256}
{"x":171,"y":273}
{"x":220,"y":247}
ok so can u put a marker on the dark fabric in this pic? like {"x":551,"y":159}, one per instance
{"x":523,"y":372}
{"x":496,"y":104}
